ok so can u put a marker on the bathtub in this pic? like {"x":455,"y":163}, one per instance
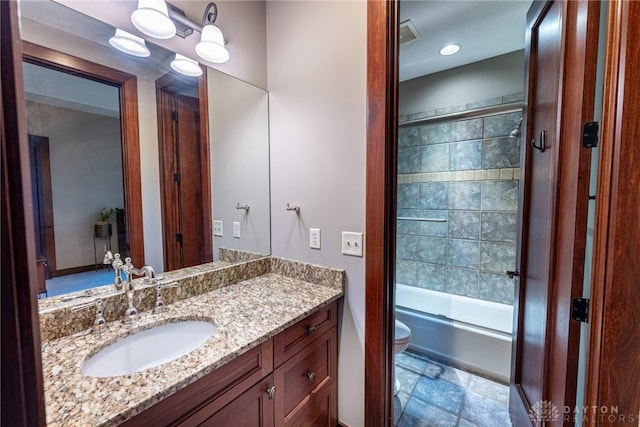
{"x":464,"y":332}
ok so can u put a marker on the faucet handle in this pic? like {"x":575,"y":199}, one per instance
{"x":159,"y":306}
{"x":99,"y":323}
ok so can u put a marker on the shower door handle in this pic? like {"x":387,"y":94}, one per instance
{"x":512,"y":274}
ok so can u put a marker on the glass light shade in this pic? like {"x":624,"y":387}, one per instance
{"x":128,"y":43}
{"x":186,"y":66}
{"x":152,"y":18}
{"x":211,"y":46}
{"x":450,"y":49}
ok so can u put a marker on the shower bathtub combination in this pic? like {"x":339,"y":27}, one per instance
{"x":465,"y":332}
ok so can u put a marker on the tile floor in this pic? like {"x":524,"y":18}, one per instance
{"x":433,"y":394}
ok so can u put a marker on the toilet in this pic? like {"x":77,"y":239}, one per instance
{"x":402,"y":340}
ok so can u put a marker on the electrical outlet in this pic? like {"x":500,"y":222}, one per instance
{"x":314,"y":238}
{"x":217,"y":228}
{"x":351,"y":243}
{"x":236,"y":229}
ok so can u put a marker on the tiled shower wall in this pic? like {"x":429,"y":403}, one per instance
{"x":465,"y":172}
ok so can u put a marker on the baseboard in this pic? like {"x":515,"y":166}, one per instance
{"x":341,"y":424}
{"x":74,"y":270}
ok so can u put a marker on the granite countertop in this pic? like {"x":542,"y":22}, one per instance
{"x":246,"y":314}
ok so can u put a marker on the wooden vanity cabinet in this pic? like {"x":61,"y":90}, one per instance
{"x":290,"y":380}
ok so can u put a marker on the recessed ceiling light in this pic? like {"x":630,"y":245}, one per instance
{"x":450,"y":49}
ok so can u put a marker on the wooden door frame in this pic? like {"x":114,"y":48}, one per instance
{"x":22,"y":382}
{"x":614,"y":350}
{"x":380,"y":217}
{"x":382,"y":129}
{"x":129,"y":127}
{"x":172,"y":82}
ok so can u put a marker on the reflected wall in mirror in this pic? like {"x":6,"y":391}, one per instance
{"x":239,"y":138}
{"x":76,"y":169}
{"x":57,"y":27}
{"x":84,"y":148}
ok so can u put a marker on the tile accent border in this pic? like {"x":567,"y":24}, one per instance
{"x":471,"y":175}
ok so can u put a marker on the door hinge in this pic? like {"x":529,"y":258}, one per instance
{"x":174,"y":116}
{"x":590,"y":134}
{"x":176,"y":177}
{"x":179,"y":237}
{"x":580,"y":309}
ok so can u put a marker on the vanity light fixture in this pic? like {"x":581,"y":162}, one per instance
{"x":186,"y":66}
{"x":450,"y":49}
{"x":152,"y":18}
{"x":129,"y":43}
{"x":162,"y":20}
{"x":211,"y":45}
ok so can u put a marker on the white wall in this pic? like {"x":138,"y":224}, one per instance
{"x":493,"y":77}
{"x":316,"y":63}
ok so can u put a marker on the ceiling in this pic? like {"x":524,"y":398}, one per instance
{"x":484,"y":29}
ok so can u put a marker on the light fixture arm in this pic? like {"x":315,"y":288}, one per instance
{"x":208,"y":17}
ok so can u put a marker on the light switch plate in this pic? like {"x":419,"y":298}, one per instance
{"x":314,"y":238}
{"x":217,"y":228}
{"x":351,"y":243}
{"x":236,"y":229}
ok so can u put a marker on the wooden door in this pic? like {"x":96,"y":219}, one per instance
{"x":42,"y":200}
{"x":182,"y":189}
{"x":554,"y":201}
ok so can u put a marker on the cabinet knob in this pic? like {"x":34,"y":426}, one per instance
{"x":271,"y":392}
{"x":310,"y":375}
{"x":311,"y":329}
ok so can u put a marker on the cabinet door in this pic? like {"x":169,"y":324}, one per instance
{"x":253,"y":408}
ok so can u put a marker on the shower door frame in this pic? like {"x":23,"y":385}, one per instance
{"x":617,"y":235}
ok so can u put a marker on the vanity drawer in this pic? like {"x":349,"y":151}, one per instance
{"x":321,"y":412}
{"x":301,"y":382}
{"x":220,"y":387}
{"x":296,"y":337}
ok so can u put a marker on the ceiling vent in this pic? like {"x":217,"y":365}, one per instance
{"x":408,"y":32}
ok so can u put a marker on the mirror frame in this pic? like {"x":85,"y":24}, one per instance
{"x":129,"y":129}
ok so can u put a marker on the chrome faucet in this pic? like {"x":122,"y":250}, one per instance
{"x":149,"y":275}
{"x":131,"y":313}
{"x":117,"y":265}
{"x":99,"y":323}
{"x":159,"y":306}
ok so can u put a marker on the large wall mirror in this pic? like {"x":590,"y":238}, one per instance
{"x":90,"y":164}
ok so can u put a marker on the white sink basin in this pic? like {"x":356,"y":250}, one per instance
{"x":148,"y":348}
